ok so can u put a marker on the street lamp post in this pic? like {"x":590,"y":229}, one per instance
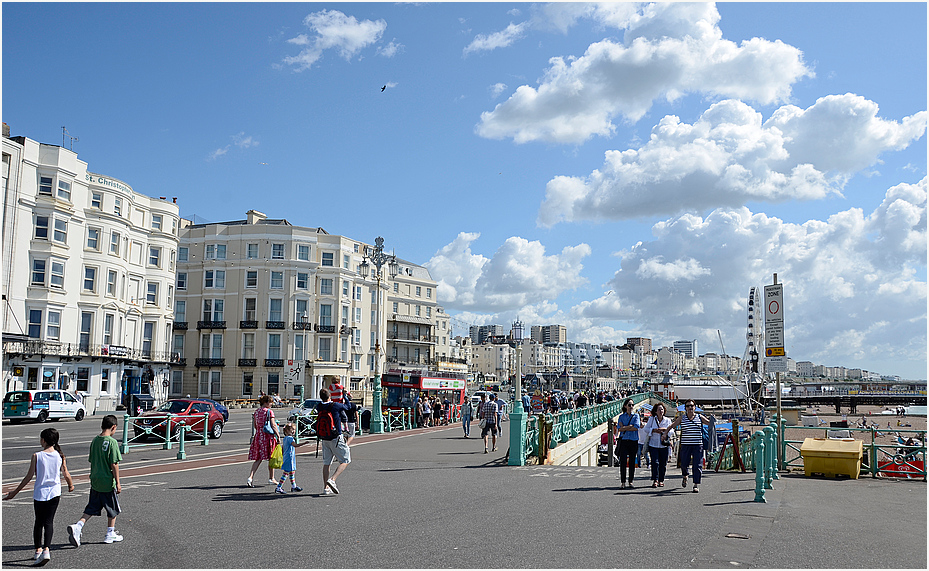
{"x":518,"y":417}
{"x":304,"y":320}
{"x":374,"y":261}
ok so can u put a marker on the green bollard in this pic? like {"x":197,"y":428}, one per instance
{"x":759,"y":468}
{"x":168,"y":436}
{"x":769,"y":457}
{"x":181,"y":454}
{"x":124,"y":447}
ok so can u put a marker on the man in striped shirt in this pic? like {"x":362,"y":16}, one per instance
{"x":691,"y":442}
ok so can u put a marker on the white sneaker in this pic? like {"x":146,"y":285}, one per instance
{"x":270,"y":481}
{"x":327,"y":492}
{"x":74,"y":535}
{"x":112,"y":537}
{"x":36,"y":559}
{"x":330,"y":483}
{"x":45,"y":558}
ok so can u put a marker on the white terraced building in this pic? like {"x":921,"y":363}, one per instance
{"x":88,"y":277}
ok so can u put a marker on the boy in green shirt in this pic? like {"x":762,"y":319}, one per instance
{"x":104,"y":483}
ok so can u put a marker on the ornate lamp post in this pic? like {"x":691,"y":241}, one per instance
{"x":518,"y":416}
{"x":373,"y":262}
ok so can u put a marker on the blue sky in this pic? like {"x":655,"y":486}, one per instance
{"x":623,"y":169}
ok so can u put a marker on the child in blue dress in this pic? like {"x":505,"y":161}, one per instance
{"x":289,"y":468}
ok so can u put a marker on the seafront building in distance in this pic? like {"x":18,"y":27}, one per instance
{"x":88,"y":276}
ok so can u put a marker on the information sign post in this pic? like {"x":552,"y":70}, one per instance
{"x":775,"y":353}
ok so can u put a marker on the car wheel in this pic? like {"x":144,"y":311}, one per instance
{"x":79,"y":416}
{"x":43,"y":416}
{"x":217,"y":430}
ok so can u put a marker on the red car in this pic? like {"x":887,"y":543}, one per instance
{"x":189,"y":411}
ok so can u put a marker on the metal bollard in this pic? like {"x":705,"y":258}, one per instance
{"x":125,"y":443}
{"x":769,"y":457}
{"x":759,"y":468}
{"x":181,"y":430}
{"x":168,"y":436}
{"x":206,"y":428}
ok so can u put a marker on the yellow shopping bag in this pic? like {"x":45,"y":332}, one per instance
{"x":277,"y":457}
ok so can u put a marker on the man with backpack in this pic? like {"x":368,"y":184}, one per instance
{"x":329,"y":432}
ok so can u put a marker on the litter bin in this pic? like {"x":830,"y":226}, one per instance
{"x":832,"y":457}
{"x":140,"y":403}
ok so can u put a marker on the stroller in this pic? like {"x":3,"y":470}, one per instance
{"x":603,"y":453}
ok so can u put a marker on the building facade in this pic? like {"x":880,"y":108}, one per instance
{"x":88,"y":276}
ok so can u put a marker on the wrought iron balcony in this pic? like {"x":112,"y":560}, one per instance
{"x":274,"y":324}
{"x":211,"y":325}
{"x":210,"y":362}
{"x":248,"y":324}
{"x":248,"y":362}
{"x":274,"y":363}
{"x":303,"y":325}
{"x":179,"y":326}
{"x":325,"y":328}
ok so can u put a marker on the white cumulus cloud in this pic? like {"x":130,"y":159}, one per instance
{"x":668,"y":50}
{"x":334,"y":30}
{"x":729,"y":156}
{"x":519,"y":273}
{"x":852,"y":282}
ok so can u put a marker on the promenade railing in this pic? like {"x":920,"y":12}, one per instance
{"x":165,"y":432}
{"x":880,"y":459}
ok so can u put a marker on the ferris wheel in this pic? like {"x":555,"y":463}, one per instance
{"x":754,"y":336}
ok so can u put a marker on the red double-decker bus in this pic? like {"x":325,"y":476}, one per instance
{"x":400,"y":388}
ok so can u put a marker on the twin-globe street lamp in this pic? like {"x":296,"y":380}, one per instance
{"x":373,"y":262}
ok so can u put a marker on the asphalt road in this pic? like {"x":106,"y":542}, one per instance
{"x":432,"y":499}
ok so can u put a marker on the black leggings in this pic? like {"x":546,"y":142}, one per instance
{"x":44,"y":521}
{"x":628,"y":450}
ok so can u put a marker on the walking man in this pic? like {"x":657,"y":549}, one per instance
{"x":466,"y":410}
{"x":488,"y":413}
{"x":329,"y":432}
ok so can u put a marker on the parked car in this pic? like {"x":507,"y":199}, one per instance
{"x":220,"y":407}
{"x":190,"y":411}
{"x":41,"y":406}
{"x":306,"y":410}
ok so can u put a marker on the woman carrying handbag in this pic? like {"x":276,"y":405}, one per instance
{"x":265,"y":436}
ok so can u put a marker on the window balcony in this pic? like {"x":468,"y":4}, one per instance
{"x":274,"y":324}
{"x":248,"y":324}
{"x":179,"y":326}
{"x":325,"y":328}
{"x":248,"y":362}
{"x":274,"y":363}
{"x":211,"y":325}
{"x":210,"y":362}
{"x":303,"y":325}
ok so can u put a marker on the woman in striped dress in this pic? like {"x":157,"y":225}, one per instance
{"x":690,"y":449}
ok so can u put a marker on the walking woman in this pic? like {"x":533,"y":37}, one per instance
{"x":47,"y":466}
{"x":658,"y":444}
{"x":690,"y":450}
{"x":263,"y":443}
{"x":627,"y":430}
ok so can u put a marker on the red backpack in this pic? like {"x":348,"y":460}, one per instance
{"x":325,"y":425}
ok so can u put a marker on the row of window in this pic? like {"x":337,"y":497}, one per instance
{"x":216,"y":279}
{"x":55,"y":228}
{"x":50,"y":272}
{"x":210,"y":384}
{"x":214,"y":310}
{"x":62,"y":190}
{"x":211,"y":347}
{"x":252,"y":252}
{"x":112,"y":331}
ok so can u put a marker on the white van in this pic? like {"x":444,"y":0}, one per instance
{"x":41,"y":406}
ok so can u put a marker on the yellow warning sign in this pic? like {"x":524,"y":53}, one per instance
{"x":775,"y":352}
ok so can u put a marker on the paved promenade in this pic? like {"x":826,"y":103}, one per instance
{"x":431,"y":499}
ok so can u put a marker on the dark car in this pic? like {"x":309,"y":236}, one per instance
{"x":220,"y":407}
{"x":188,"y":411}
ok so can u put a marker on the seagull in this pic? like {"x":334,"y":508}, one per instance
{"x":262,"y":163}
{"x":383,"y":88}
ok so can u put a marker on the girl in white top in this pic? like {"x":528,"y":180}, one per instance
{"x":47,"y":466}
